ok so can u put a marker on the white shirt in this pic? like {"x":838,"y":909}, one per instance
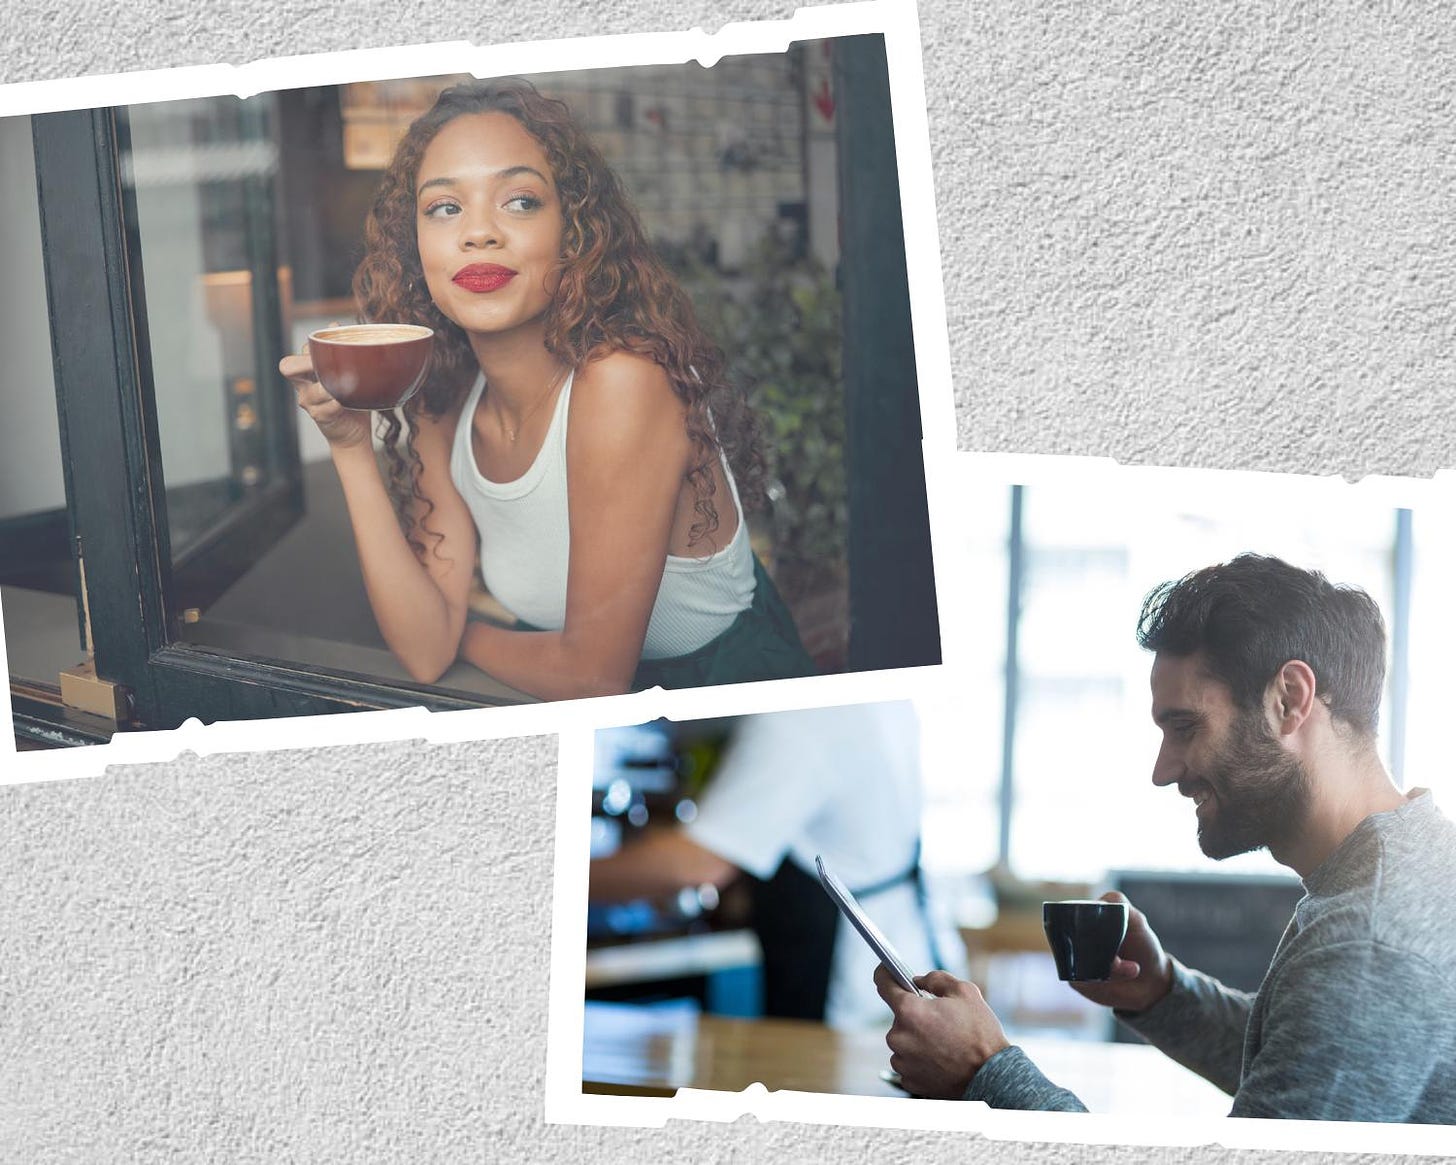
{"x":844,"y":783}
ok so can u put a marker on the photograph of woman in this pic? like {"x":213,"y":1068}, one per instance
{"x":669,"y":433}
{"x":576,"y":436}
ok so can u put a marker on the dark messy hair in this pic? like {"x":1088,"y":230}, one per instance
{"x":615,"y":294}
{"x":1252,"y":615}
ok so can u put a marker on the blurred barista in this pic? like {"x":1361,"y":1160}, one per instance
{"x":841,"y":782}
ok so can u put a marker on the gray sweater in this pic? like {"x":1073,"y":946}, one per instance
{"x":1356,"y":1017}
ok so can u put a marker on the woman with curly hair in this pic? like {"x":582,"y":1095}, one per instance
{"x":574,"y":435}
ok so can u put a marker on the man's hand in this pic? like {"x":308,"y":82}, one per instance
{"x":938,"y":1044}
{"x":1142,"y":973}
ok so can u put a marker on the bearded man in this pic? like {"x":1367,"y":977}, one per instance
{"x":1266,"y":684}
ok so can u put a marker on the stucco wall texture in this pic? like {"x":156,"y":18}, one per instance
{"x":1177,"y":233}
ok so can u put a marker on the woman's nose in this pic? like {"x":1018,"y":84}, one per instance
{"x":480,"y":229}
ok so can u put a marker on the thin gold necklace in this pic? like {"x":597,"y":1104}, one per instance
{"x":512,"y":434}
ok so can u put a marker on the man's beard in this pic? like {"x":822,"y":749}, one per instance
{"x":1261,"y":792}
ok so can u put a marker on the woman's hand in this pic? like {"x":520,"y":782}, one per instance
{"x":1142,"y":973}
{"x":342,"y":428}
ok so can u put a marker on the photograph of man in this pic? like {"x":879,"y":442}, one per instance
{"x":839,"y":782}
{"x":1266,"y":685}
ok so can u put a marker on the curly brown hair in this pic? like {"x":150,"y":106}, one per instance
{"x":615,"y":294}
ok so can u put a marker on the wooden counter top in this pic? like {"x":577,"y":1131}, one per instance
{"x":654,"y":1051}
{"x":633,"y":1050}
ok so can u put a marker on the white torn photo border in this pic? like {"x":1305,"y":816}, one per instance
{"x":610,"y":1063}
{"x":690,"y":116}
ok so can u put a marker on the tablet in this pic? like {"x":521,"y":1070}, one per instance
{"x":867,"y":929}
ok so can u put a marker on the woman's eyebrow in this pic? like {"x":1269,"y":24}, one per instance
{"x":433,"y":182}
{"x":508,"y":172}
{"x":513,"y":171}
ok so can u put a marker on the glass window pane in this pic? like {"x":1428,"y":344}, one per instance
{"x":193,"y":167}
{"x":37,"y":579}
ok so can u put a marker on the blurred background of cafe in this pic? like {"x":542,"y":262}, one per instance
{"x":1036,"y":785}
{"x":177,"y":250}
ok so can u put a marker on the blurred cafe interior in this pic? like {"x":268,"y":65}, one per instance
{"x":1035,"y":785}
{"x":173,"y":541}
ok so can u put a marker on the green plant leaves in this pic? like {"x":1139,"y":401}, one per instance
{"x":779,"y":325}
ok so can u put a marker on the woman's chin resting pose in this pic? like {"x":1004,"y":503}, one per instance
{"x":576,"y":435}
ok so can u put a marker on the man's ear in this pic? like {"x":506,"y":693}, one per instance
{"x":1292,"y":696}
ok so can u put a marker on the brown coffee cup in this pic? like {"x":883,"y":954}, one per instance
{"x":371,"y":366}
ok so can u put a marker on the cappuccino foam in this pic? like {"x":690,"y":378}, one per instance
{"x":372,"y":334}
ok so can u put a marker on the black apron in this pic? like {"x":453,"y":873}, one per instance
{"x":797,"y":925}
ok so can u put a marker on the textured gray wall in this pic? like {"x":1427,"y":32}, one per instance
{"x":1176,"y":233}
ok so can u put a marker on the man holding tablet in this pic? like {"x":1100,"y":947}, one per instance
{"x":1266,"y":684}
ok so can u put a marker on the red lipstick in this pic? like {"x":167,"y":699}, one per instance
{"x":483,"y":277}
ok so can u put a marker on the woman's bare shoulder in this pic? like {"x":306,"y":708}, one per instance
{"x":624,"y":371}
{"x":624,"y":383}
{"x":623,"y":404}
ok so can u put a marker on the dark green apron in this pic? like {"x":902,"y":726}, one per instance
{"x":762,"y":643}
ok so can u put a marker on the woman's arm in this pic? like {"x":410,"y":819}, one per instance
{"x":627,"y":453}
{"x":418,"y":603}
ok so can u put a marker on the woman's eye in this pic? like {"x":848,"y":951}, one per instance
{"x":442,"y":210}
{"x":523,"y":202}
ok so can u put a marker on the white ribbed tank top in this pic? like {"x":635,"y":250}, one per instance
{"x":525,"y":545}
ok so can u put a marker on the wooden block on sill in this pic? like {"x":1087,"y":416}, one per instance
{"x":82,"y":689}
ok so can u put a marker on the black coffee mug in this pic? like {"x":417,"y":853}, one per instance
{"x":1085,"y":937}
